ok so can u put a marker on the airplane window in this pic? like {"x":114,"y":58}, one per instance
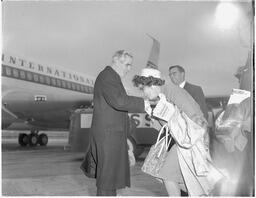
{"x":53,"y":81}
{"x":8,"y":71}
{"x":29,"y":76}
{"x":68,"y":85}
{"x":90,"y":90}
{"x":58,"y":82}
{"x":48,"y":80}
{"x":82,"y":88}
{"x":35,"y":77}
{"x":73,"y":86}
{"x":41,"y":78}
{"x":3,"y":70}
{"x":85,"y":89}
{"x":22,"y":74}
{"x":63,"y":84}
{"x":15,"y":73}
{"x":77,"y":87}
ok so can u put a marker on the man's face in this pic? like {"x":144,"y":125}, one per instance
{"x":125,"y":64}
{"x":176,"y":76}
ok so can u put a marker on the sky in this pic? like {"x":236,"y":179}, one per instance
{"x":83,"y":35}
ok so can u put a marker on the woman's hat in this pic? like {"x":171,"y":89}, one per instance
{"x":147,"y":72}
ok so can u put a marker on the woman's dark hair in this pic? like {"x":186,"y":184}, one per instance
{"x":147,"y":81}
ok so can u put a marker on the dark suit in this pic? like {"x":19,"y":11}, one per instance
{"x":198,"y":95}
{"x":109,"y":130}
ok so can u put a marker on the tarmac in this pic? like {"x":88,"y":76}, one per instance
{"x":54,"y":171}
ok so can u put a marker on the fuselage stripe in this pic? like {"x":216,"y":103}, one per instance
{"x":12,"y":72}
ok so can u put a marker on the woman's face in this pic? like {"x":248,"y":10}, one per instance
{"x":151,"y":92}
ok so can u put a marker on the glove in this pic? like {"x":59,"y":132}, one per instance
{"x":148,"y":108}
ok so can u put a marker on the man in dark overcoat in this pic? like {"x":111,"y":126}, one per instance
{"x":109,"y":128}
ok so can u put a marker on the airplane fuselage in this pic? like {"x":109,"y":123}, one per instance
{"x":41,"y":96}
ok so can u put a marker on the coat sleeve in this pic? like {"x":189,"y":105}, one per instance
{"x":183,"y":100}
{"x":115,"y":95}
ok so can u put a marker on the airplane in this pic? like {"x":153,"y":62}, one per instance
{"x":38,"y":97}
{"x":41,"y":97}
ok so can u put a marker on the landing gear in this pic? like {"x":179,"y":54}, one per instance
{"x":43,"y":139}
{"x":23,"y":139}
{"x":33,"y":139}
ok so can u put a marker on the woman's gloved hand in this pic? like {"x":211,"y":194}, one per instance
{"x":148,"y":108}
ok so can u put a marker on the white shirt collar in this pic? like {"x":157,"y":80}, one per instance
{"x":182,"y":84}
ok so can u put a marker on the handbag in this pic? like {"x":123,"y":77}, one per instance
{"x":157,"y":153}
{"x":88,"y":165}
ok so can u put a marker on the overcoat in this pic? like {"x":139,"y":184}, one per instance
{"x":109,"y":130}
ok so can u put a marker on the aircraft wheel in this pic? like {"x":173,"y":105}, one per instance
{"x":137,"y":150}
{"x":33,"y":139}
{"x":23,"y":139}
{"x":43,"y":139}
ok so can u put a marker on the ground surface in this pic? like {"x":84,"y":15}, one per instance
{"x":54,"y":171}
